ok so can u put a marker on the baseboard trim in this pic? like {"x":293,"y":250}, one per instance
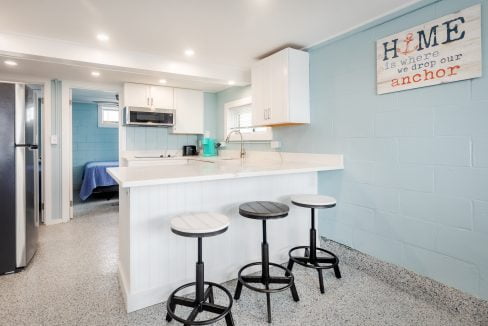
{"x":56,"y":221}
{"x":124,"y":287}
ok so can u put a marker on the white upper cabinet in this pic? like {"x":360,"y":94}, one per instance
{"x":260,"y":95}
{"x":162,"y":97}
{"x":189,"y":105}
{"x":137,"y":95}
{"x":280,"y":89}
{"x":141,"y":95}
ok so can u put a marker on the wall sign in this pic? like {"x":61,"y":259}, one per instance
{"x":441,"y":51}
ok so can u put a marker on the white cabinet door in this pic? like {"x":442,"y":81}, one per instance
{"x":280,"y":89}
{"x":189,"y":105}
{"x":162,"y":97}
{"x":136,"y":95}
{"x":278,"y":112}
{"x":260,"y":94}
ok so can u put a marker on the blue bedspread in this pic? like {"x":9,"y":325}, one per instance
{"x":95,"y":175}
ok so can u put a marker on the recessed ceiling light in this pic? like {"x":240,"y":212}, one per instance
{"x":231,"y":82}
{"x":163,"y":81}
{"x":10,"y":63}
{"x":189,"y":52}
{"x":103,"y":37}
{"x":95,"y":74}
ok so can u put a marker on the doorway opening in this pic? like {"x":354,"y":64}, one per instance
{"x":95,"y":147}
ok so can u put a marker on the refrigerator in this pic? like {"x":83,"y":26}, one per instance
{"x":19,"y":177}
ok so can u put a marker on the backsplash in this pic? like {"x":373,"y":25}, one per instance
{"x":155,"y":138}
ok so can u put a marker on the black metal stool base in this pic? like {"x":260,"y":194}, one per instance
{"x":288,"y":281}
{"x":207,"y":304}
{"x":310,"y":260}
{"x":265,"y":278}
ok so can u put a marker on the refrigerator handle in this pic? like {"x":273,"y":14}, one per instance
{"x":30,"y":146}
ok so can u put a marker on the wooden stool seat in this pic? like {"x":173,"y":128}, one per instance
{"x":198,"y":225}
{"x":313,"y":201}
{"x":263,"y":210}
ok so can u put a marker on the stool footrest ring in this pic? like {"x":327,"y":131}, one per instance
{"x":206,"y":305}
{"x":305,"y":261}
{"x":248,"y":280}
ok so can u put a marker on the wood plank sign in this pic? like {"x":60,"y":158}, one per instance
{"x":441,"y":51}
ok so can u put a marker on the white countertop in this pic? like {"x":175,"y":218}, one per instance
{"x":204,"y":169}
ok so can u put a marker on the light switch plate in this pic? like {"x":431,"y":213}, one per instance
{"x":54,"y":139}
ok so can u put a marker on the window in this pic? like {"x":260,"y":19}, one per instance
{"x":108,"y":116}
{"x":238,"y":115}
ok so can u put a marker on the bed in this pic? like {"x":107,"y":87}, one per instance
{"x":96,"y":179}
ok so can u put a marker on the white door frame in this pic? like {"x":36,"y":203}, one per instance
{"x":67,"y":139}
{"x":46,"y":184}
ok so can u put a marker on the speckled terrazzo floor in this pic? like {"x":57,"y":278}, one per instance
{"x":73,"y":281}
{"x":95,"y":204}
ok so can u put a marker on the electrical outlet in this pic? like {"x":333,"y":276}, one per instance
{"x":275,"y":144}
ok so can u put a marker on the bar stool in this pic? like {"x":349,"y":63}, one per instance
{"x":200,"y":225}
{"x":265,"y":210}
{"x":310,"y":259}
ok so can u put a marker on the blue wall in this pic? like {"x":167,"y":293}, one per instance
{"x":414,"y":191}
{"x":147,"y":138}
{"x":90,"y":143}
{"x":211,"y":118}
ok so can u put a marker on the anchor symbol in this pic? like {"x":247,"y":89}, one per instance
{"x":408,"y":39}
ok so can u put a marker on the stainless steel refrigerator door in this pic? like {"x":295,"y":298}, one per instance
{"x":26,"y":166}
{"x":31,"y":175}
{"x":7,"y":178}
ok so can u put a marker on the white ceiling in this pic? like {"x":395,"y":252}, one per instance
{"x":223,"y":33}
{"x":28,"y":68}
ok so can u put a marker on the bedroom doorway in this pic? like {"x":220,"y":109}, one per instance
{"x":95,"y":147}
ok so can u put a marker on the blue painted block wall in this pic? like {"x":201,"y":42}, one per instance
{"x":414,"y":191}
{"x":90,"y":143}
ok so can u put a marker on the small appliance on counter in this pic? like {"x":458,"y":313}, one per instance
{"x":209,"y":145}
{"x":190,"y":150}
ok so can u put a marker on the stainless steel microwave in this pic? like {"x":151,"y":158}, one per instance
{"x":139,"y":116}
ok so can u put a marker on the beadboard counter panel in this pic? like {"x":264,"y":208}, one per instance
{"x":154,"y":261}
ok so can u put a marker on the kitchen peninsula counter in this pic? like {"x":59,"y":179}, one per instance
{"x":154,"y":261}
{"x":216,"y":168}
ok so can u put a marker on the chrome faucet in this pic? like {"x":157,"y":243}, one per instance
{"x":243,"y":151}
